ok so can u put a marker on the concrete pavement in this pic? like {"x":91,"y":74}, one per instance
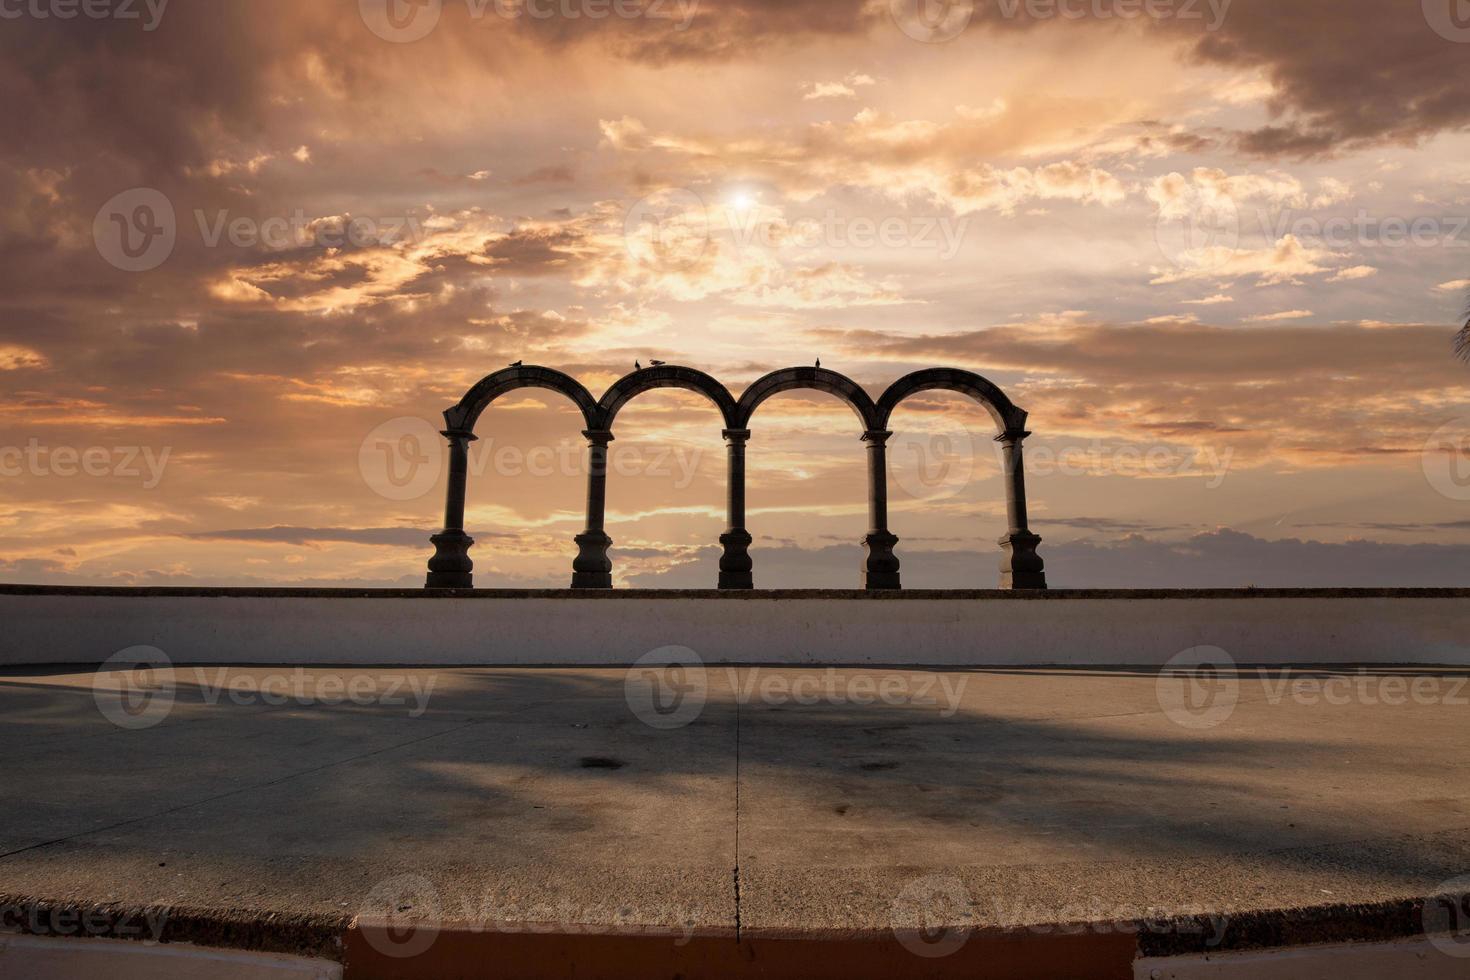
{"x":268,"y":808}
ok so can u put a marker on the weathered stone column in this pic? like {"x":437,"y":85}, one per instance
{"x":735,"y":563}
{"x":451,"y":567}
{"x":592,"y":569}
{"x":1020,"y":567}
{"x":881,"y":570}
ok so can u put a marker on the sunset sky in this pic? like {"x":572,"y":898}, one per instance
{"x":1219,"y":253}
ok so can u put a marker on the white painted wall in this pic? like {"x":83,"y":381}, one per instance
{"x":616,"y":630}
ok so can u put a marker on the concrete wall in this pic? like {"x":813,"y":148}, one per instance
{"x":57,"y":625}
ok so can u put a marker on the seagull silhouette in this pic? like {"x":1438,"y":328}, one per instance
{"x":637,"y":365}
{"x":819,"y":362}
{"x":658,"y":363}
{"x":516,"y":364}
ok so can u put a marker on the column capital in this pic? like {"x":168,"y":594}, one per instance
{"x":736,"y":435}
{"x":598,"y":437}
{"x":877,"y":437}
{"x":459,"y":434}
{"x":1012,"y":435}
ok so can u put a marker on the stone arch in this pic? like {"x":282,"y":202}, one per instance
{"x":1020,"y":567}
{"x":462,"y":417}
{"x":451,"y":567}
{"x":665,"y":376}
{"x":1008,"y":418}
{"x":817,"y":379}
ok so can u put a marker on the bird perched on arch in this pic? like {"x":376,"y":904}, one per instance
{"x":658,"y":363}
{"x":819,"y":362}
{"x":516,"y":364}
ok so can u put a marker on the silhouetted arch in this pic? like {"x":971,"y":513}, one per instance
{"x":818,"y":379}
{"x":1008,"y":418}
{"x":451,"y":567}
{"x":666,"y":376}
{"x":462,"y":417}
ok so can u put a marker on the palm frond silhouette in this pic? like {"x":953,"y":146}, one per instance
{"x":1462,"y":339}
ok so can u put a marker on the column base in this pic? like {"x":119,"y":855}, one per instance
{"x":880,"y":571}
{"x":735,"y":564}
{"x":451,"y":566}
{"x":592,"y":569}
{"x":1021,"y":567}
